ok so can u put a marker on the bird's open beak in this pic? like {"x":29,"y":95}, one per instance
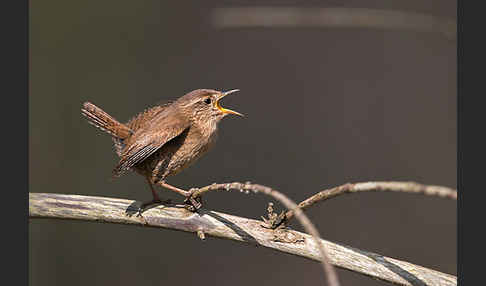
{"x":224,"y":110}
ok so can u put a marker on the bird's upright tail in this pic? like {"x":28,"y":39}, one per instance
{"x":97,"y":117}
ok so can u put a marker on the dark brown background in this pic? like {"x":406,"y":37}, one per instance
{"x":324,"y":107}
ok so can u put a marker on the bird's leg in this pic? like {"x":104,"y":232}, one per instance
{"x":154,"y":193}
{"x":155,"y":201}
{"x":174,"y":189}
{"x":194,"y":204}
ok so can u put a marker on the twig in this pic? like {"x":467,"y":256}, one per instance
{"x":112,"y":210}
{"x":289,"y":204}
{"x":274,"y":17}
{"x":406,"y":187}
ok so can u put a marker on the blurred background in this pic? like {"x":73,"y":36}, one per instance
{"x":325,"y":104}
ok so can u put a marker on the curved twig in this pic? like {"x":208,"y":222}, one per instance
{"x":406,"y":187}
{"x":112,"y":210}
{"x":289,"y":204}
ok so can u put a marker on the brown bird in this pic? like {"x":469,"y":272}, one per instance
{"x":165,"y":139}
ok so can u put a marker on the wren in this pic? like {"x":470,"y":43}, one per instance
{"x":164,"y":139}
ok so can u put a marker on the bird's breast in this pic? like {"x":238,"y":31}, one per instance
{"x":194,"y":146}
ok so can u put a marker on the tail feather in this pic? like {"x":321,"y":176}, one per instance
{"x":97,"y":117}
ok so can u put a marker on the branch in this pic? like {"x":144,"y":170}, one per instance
{"x":405,"y":187}
{"x":303,"y":219}
{"x":306,"y":223}
{"x":225,"y":226}
{"x":272,"y":17}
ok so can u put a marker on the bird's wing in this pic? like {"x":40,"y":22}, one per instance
{"x":163,"y":128}
{"x":139,"y":121}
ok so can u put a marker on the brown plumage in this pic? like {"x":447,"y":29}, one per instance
{"x":165,"y":139}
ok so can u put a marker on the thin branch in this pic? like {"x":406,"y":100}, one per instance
{"x":289,"y":204}
{"x":405,"y":187}
{"x":225,"y":226}
{"x":274,"y":17}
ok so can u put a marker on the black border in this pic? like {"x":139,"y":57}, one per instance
{"x":460,"y":130}
{"x":470,"y":142}
{"x":14,"y":115}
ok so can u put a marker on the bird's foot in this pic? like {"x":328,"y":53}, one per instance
{"x":192,"y":203}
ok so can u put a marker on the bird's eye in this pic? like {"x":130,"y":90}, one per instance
{"x":207,"y":100}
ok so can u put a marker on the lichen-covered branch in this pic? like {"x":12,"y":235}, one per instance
{"x":225,"y":226}
{"x":404,"y":187}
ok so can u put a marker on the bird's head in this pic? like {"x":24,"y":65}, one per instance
{"x":203,"y":106}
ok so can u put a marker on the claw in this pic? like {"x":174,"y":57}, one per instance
{"x":193,"y":204}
